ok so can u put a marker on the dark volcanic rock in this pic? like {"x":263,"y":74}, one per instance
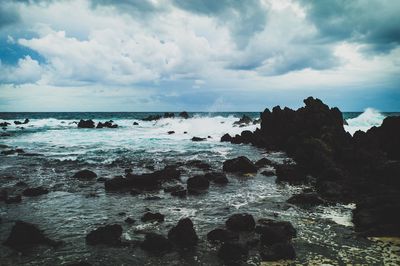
{"x":152,"y":217}
{"x":197,"y":183}
{"x":273,"y":232}
{"x":217,"y":178}
{"x":33,"y":192}
{"x":156,"y":243}
{"x":179,"y":193}
{"x":171,"y":132}
{"x":263,"y":162}
{"x":130,"y":220}
{"x":290,"y":173}
{"x":184,"y":115}
{"x":306,"y":199}
{"x":226,"y":138}
{"x":106,"y":235}
{"x":4,"y":124}
{"x":107,"y":124}
{"x":169,"y":115}
{"x":86,"y":124}
{"x":244,"y":120}
{"x":198,"y":139}
{"x":241,"y":222}
{"x":25,"y":235}
{"x":85,"y":175}
{"x":279,"y":251}
{"x":199,"y":164}
{"x":222,"y":235}
{"x":268,"y":173}
{"x":239,"y":165}
{"x":233,"y":252}
{"x":183,"y":234}
{"x":135,"y":124}
{"x":13,"y":199}
{"x":26,"y":121}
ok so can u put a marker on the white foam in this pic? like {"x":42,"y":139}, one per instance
{"x":369,"y":118}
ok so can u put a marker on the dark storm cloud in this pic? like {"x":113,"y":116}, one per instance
{"x":374,"y":22}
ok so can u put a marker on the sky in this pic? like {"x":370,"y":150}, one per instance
{"x":198,"y":55}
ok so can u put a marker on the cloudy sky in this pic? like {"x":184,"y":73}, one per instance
{"x":198,"y":55}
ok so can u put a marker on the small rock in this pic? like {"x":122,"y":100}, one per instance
{"x":85,"y":175}
{"x":198,"y":139}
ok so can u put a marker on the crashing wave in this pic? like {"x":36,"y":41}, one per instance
{"x":369,"y":118}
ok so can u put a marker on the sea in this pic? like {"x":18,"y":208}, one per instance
{"x":55,"y":148}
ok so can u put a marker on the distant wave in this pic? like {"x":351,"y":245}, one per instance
{"x":369,"y":118}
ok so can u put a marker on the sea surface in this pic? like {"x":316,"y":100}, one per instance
{"x":55,"y":149}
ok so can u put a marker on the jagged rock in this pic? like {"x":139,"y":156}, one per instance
{"x":184,"y":115}
{"x":4,"y":124}
{"x":199,"y":164}
{"x":108,"y":124}
{"x":268,"y":173}
{"x":244,"y":120}
{"x":26,"y":235}
{"x":86,"y":124}
{"x":152,"y":217}
{"x":156,"y":243}
{"x":241,"y":222}
{"x":226,"y":138}
{"x":239,"y":165}
{"x":85,"y":175}
{"x":197,"y":183}
{"x":106,"y":235}
{"x":183,"y":234}
{"x":36,"y":191}
{"x":222,"y":235}
{"x":273,"y":232}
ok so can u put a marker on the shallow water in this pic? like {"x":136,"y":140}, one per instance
{"x":73,"y":208}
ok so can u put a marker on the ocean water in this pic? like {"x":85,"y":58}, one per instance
{"x":55,"y":149}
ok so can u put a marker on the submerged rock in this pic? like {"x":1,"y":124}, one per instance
{"x":26,"y":235}
{"x":171,"y":132}
{"x":85,"y":175}
{"x":106,"y":235}
{"x":306,"y":199}
{"x":241,"y":222}
{"x":26,"y":121}
{"x":197,"y":184}
{"x":107,"y":124}
{"x":239,"y":165}
{"x":36,"y":191}
{"x":152,"y":217}
{"x":183,"y":234}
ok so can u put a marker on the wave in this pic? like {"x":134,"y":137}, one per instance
{"x":369,"y":118}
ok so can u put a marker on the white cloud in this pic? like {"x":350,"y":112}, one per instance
{"x":27,"y":70}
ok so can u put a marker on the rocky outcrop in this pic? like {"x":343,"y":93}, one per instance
{"x":26,"y":121}
{"x":86,"y":124}
{"x":239,"y":165}
{"x":232,"y":253}
{"x":25,"y":235}
{"x":306,"y":199}
{"x":105,"y":235}
{"x":107,"y":124}
{"x":244,"y":120}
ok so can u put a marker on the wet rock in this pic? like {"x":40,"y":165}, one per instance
{"x":184,"y":115}
{"x":171,"y":132}
{"x":244,"y":120}
{"x":173,"y":188}
{"x":156,"y":243}
{"x":197,"y":183}
{"x":4,"y":124}
{"x":279,"y":251}
{"x":107,"y":124}
{"x":239,"y":165}
{"x":130,"y":220}
{"x":290,"y":173}
{"x":26,"y":121}
{"x":135,"y":124}
{"x":222,"y":235}
{"x":21,"y":184}
{"x":241,"y":222}
{"x":152,"y":217}
{"x":169,"y":115}
{"x":198,"y":139}
{"x":116,"y":183}
{"x":86,"y":124}
{"x":105,"y":235}
{"x":226,"y":138}
{"x":263,"y":162}
{"x":199,"y":164}
{"x":268,"y":173}
{"x":13,"y":199}
{"x":183,"y":234}
{"x":306,"y":199}
{"x":233,"y":252}
{"x":152,"y":118}
{"x":85,"y":175}
{"x":272,"y":232}
{"x":26,"y":235}
{"x":217,"y":178}
{"x":36,"y":191}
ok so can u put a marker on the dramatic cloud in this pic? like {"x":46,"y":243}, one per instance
{"x":197,"y":54}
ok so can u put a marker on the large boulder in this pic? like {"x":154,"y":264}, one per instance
{"x":226,"y":138}
{"x":233,"y":252}
{"x":86,"y":124}
{"x":239,"y":165}
{"x":272,"y":232}
{"x":222,"y":235}
{"x":106,"y":235}
{"x":156,"y":243}
{"x":183,"y":234}
{"x":85,"y":175}
{"x":197,"y":183}
{"x":241,"y":222}
{"x":279,"y":251}
{"x":26,"y":235}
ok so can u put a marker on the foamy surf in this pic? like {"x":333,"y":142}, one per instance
{"x":369,"y":118}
